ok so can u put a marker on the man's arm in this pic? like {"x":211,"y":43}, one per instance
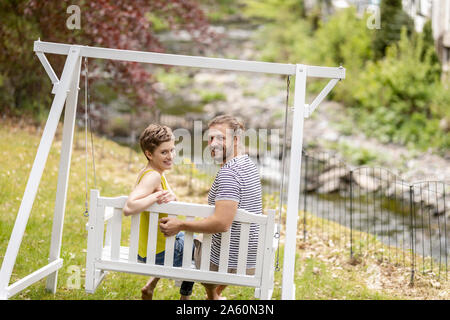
{"x":219,"y":221}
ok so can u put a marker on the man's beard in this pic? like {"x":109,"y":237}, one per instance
{"x":220,"y":155}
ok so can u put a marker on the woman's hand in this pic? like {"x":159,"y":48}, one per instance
{"x":166,"y":196}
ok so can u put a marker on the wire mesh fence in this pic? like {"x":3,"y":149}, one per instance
{"x":397,"y":221}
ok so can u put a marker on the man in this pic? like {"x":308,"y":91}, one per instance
{"x":237,"y":186}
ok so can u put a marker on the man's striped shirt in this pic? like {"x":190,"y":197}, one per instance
{"x":238,"y":180}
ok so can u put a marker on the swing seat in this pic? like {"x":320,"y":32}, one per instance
{"x":105,"y":252}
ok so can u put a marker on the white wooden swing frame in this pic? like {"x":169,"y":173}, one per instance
{"x":66,"y":89}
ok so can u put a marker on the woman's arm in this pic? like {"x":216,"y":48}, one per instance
{"x":144,"y":194}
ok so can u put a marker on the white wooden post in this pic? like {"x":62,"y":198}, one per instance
{"x":63,"y":174}
{"x":295,"y":164}
{"x":37,"y":170}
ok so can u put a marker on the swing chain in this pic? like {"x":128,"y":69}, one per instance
{"x":280,"y":206}
{"x":88,"y":122}
{"x":86,"y":210}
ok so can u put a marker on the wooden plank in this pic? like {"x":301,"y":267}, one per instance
{"x":188,"y":244}
{"x":109,"y":213}
{"x":34,"y":277}
{"x":203,"y":211}
{"x":123,"y":255}
{"x":108,"y":233}
{"x":169,"y":59}
{"x":224,"y":251}
{"x":189,"y":61}
{"x":48,"y":68}
{"x":179,"y":273}
{"x":152,"y":237}
{"x":259,"y":253}
{"x":116,"y":234}
{"x":63,"y":173}
{"x":115,"y":202}
{"x":243,"y":248}
{"x":99,"y":229}
{"x":268,"y":257}
{"x":206,"y":251}
{"x":185,"y":208}
{"x":169,"y":249}
{"x":294,"y":185}
{"x":134,"y":237}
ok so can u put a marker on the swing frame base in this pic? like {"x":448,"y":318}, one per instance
{"x":66,"y":89}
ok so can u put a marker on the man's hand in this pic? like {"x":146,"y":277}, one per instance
{"x":170,"y":226}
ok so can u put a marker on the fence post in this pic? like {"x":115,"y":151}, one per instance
{"x":445,"y":233}
{"x":304,"y":200}
{"x":411,"y":209}
{"x":351,"y":214}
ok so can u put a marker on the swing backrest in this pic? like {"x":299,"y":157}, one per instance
{"x":108,"y":244}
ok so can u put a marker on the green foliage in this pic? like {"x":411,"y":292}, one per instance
{"x":358,"y":155}
{"x":393,"y":18}
{"x":21,"y":73}
{"x":400,"y":97}
{"x":343,"y":39}
{"x":285,"y":36}
{"x":219,"y":10}
{"x":392,"y":87}
{"x":275,"y":10}
{"x":208,"y":96}
{"x":159,"y":25}
{"x":172,"y":81}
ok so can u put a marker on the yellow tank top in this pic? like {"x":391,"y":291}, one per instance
{"x":143,"y":226}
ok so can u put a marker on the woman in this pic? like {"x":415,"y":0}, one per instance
{"x":158,"y":145}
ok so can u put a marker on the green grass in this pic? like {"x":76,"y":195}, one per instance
{"x":314,"y":278}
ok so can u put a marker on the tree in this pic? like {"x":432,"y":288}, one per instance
{"x":393,"y":18}
{"x":116,"y":24}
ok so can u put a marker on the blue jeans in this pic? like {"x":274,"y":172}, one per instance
{"x":186,"y":286}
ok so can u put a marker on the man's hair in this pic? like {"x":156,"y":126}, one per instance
{"x":233,"y":123}
{"x":153,"y":136}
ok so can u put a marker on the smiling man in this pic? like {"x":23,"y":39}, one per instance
{"x":237,"y":186}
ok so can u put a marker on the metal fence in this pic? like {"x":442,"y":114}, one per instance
{"x":398,"y":221}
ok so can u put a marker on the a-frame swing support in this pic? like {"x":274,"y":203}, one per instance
{"x":66,"y":92}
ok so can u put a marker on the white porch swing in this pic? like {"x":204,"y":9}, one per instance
{"x":105,"y":253}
